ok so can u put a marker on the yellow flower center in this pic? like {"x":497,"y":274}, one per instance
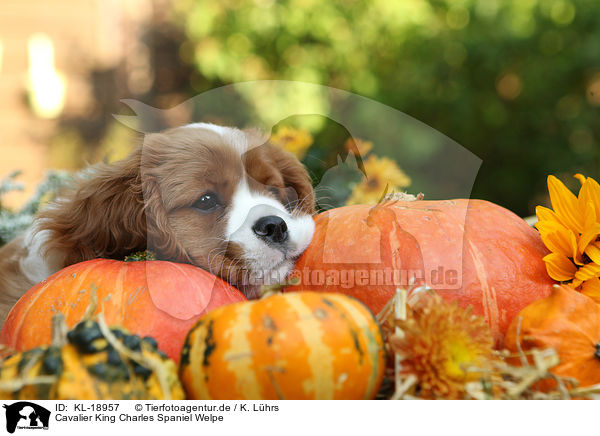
{"x":461,"y":357}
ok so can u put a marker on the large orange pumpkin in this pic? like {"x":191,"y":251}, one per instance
{"x":567,"y":321}
{"x":304,"y":345}
{"x":149,"y":298}
{"x":472,"y":251}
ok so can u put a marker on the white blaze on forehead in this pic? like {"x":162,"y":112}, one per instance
{"x":231,"y":136}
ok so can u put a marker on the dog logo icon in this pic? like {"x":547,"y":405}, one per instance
{"x":26,"y":415}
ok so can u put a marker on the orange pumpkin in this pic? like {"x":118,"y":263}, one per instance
{"x":149,"y":298}
{"x":472,"y":251}
{"x":567,"y":321}
{"x":304,"y":345}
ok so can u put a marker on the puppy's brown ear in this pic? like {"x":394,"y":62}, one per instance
{"x":295,"y":176}
{"x":156,"y":169}
{"x":113,"y":210}
{"x":103,"y":215}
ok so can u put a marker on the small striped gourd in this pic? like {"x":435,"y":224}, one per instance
{"x":303,"y":345}
{"x":84,"y":365}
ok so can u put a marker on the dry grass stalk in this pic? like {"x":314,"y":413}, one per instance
{"x":400,"y":315}
{"x":18,"y":383}
{"x":93,"y":305}
{"x":153,"y":363}
{"x":59,"y":330}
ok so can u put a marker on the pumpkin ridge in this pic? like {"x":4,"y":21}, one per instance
{"x":209,"y":342}
{"x":362,"y":319}
{"x":119,"y":290}
{"x":17,"y":329}
{"x":62,"y":276}
{"x":199,"y":384}
{"x":343,"y":352}
{"x":351,"y":330}
{"x":81,"y":278}
{"x":320,"y":359}
{"x":264,"y":358}
{"x":239,"y":365}
{"x":490,"y":304}
{"x":295,"y":362}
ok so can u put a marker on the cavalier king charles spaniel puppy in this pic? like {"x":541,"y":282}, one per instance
{"x":216,"y":197}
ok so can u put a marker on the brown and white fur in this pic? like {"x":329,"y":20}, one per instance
{"x":258,"y":224}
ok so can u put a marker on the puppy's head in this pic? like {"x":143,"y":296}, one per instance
{"x":223,"y":199}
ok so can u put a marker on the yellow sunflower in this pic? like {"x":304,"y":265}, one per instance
{"x":294,"y":140}
{"x":383,"y":175}
{"x":571,"y":232}
{"x":358,"y":146}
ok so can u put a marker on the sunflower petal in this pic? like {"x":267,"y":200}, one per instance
{"x":590,"y":192}
{"x":565,"y":204}
{"x":589,"y":214}
{"x":591,"y":288}
{"x":580,"y":177}
{"x":559,"y":267}
{"x":593,"y":251}
{"x":587,"y":272}
{"x":545,"y":214}
{"x":589,"y":235}
{"x":559,"y":239}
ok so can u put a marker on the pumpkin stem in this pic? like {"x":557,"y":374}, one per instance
{"x":597,"y":353}
{"x":59,"y":330}
{"x":268,"y":290}
{"x":140,"y":256}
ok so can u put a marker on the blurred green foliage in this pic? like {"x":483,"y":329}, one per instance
{"x":516,"y":82}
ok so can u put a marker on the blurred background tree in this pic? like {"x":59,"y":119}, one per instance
{"x":517,"y":82}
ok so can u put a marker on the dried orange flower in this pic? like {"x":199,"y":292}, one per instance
{"x":444,"y":346}
{"x":294,"y":140}
{"x":572,"y":233}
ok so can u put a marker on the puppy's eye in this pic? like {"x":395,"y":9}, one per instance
{"x":208,"y":202}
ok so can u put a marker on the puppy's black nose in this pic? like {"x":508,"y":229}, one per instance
{"x":271,"y":228}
